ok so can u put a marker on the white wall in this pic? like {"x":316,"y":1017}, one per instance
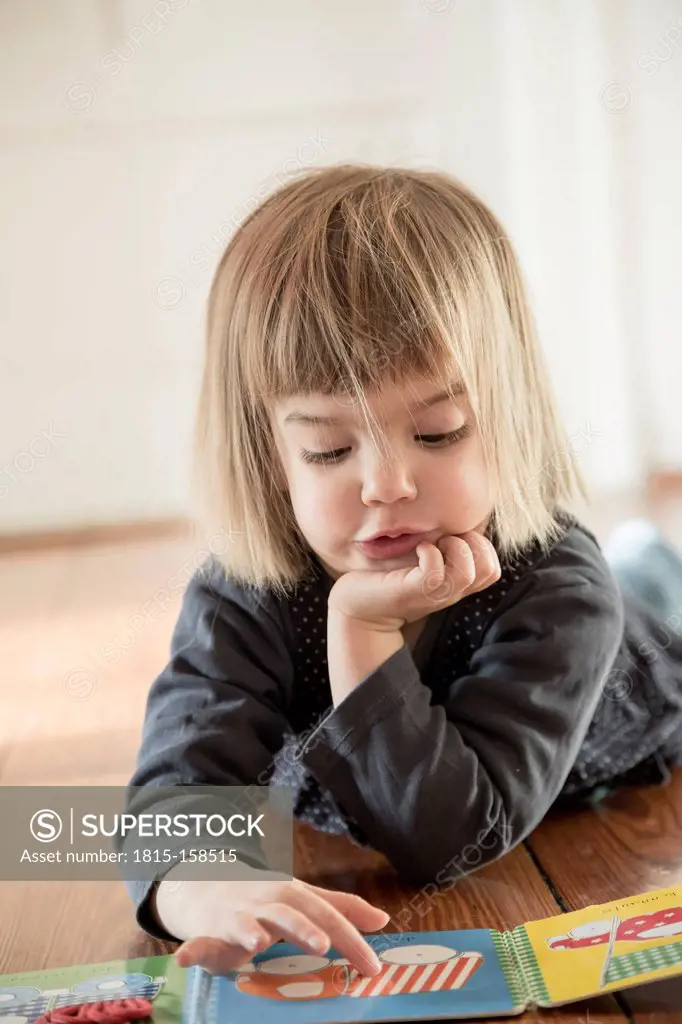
{"x":139,"y":133}
{"x":551,"y":116}
{"x":652,"y":66}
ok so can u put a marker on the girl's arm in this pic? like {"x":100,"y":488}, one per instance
{"x":443,"y":788}
{"x":215,"y":716}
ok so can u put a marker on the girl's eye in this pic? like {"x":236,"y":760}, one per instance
{"x":333,"y":456}
{"x":433,"y":440}
{"x":443,"y":440}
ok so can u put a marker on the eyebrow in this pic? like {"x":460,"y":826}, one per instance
{"x":424,"y":403}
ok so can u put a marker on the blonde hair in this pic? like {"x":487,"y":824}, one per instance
{"x":347,"y":276}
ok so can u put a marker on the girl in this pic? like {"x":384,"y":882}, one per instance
{"x":408,"y":624}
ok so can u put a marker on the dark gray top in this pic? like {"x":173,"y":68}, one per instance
{"x":541,"y":686}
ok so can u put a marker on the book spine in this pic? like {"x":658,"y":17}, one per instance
{"x":528,"y":967}
{"x":197,"y":997}
{"x":513,"y":975}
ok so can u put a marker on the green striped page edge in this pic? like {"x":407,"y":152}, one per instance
{"x":511,"y":968}
{"x":528,"y":967}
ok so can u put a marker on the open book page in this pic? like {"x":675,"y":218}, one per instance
{"x":602,"y":948}
{"x":425,"y":975}
{"x":26,"y":996}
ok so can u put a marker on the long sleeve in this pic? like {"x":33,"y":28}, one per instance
{"x":216,"y":715}
{"x":442,"y":788}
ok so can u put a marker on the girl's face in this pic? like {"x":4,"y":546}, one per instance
{"x":431,"y":477}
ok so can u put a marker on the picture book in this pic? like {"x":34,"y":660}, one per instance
{"x":424,"y":975}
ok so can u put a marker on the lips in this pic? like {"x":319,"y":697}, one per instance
{"x":396,"y":531}
{"x":391,"y":547}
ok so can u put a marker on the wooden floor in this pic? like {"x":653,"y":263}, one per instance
{"x":85,"y":629}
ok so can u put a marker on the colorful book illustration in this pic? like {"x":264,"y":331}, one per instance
{"x":424,"y":976}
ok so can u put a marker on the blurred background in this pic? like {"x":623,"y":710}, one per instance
{"x":137,"y":134}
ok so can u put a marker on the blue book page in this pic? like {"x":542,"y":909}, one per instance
{"x":425,"y":975}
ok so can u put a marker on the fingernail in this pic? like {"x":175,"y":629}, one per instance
{"x":252,"y":940}
{"x":380,"y":924}
{"x":319,"y":945}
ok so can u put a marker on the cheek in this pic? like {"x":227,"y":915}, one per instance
{"x":318,"y":498}
{"x":466,"y":487}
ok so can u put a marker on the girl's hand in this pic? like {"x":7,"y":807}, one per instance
{"x":386,"y":600}
{"x":224,"y":923}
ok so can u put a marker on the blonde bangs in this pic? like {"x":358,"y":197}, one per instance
{"x":346,"y":278}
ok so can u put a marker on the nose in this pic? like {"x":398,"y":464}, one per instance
{"x":387,"y":478}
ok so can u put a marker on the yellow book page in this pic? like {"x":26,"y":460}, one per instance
{"x":609,"y":946}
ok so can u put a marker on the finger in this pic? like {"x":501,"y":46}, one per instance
{"x":215,"y":955}
{"x":485,"y":559}
{"x":429,"y":574}
{"x":292,"y":925}
{"x":493,"y":578}
{"x":365,"y":916}
{"x":241,"y":933}
{"x":344,"y":936}
{"x":460,"y":565}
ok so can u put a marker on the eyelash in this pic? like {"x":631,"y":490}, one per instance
{"x":441,"y":441}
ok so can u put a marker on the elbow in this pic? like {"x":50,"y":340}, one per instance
{"x":443,"y":863}
{"x":436,"y":872}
